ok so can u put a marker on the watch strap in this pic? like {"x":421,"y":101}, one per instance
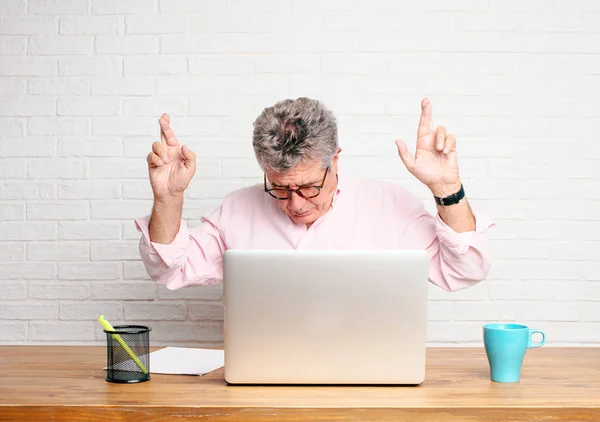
{"x":451,"y":199}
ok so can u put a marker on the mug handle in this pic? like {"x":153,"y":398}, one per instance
{"x":532,"y":344}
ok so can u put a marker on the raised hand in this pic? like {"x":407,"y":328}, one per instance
{"x":435,"y":162}
{"x":171,"y":166}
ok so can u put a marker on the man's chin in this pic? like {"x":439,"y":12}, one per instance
{"x":302,"y":218}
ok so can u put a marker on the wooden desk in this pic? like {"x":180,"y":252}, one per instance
{"x":67,"y":383}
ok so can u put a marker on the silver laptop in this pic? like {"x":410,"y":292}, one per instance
{"x":325,"y":316}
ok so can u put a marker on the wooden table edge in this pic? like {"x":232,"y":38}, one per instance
{"x":72,"y":413}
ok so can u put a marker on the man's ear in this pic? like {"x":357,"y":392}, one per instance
{"x":334,"y":160}
{"x":337,"y":155}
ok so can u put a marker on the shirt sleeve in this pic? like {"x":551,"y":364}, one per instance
{"x":464,"y":258}
{"x":194,"y":257}
{"x":457,"y":260}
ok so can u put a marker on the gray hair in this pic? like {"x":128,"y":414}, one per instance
{"x":292,"y":131}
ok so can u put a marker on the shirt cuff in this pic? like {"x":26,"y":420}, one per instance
{"x":169,"y":253}
{"x":456,"y":242}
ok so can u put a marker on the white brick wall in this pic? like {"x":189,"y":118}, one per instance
{"x":83,"y":82}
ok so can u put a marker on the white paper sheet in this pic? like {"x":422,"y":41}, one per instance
{"x":183,"y":361}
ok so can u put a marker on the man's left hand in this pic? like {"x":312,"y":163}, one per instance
{"x":435,"y":162}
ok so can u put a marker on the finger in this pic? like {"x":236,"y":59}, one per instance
{"x":162,"y":135}
{"x":450,"y":144}
{"x":405,"y":155}
{"x":189,"y":158}
{"x":425,"y":122}
{"x":154,"y":160}
{"x":440,"y":138}
{"x":167,"y":133}
{"x":160,"y":150}
{"x":431,"y":122}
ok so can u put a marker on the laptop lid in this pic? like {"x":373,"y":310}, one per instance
{"x":325,"y":316}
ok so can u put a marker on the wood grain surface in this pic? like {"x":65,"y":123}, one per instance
{"x":67,"y":383}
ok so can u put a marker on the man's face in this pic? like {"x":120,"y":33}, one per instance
{"x":306,"y":210}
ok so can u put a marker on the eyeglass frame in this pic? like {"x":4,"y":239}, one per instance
{"x":296,"y":190}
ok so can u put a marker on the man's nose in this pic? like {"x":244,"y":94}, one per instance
{"x":296,"y":201}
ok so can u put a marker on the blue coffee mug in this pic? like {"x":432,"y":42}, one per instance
{"x":505,"y":347}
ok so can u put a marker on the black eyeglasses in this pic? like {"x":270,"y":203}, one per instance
{"x":303,"y":191}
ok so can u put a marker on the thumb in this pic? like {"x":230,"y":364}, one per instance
{"x":405,"y":155}
{"x":189,"y":158}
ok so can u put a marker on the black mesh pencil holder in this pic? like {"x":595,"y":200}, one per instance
{"x":128,"y":354}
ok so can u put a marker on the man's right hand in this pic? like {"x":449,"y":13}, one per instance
{"x":171,"y":166}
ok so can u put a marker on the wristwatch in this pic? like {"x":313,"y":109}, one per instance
{"x":452,"y":199}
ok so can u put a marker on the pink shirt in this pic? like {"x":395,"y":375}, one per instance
{"x":365,"y":214}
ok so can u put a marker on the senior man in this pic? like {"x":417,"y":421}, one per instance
{"x":304,"y":203}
